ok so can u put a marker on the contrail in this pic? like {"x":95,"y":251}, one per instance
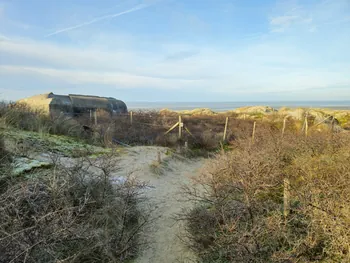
{"x":97,"y":19}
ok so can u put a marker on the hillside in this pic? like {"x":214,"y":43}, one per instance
{"x":342,"y":117}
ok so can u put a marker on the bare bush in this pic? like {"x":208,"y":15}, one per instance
{"x":72,"y":214}
{"x":239,"y":212}
{"x":5,"y":166}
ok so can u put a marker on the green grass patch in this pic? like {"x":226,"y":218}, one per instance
{"x":68,"y":146}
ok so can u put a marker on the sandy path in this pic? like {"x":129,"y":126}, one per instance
{"x":164,"y":196}
{"x":164,"y":244}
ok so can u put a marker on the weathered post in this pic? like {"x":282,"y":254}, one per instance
{"x":131,"y":117}
{"x":180,"y":127}
{"x":253,"y":134}
{"x":306,"y":125}
{"x":286,"y":197}
{"x":284,"y":125}
{"x":95,"y":116}
{"x":225,"y":130}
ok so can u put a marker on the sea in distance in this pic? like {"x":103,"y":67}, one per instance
{"x":226,"y":106}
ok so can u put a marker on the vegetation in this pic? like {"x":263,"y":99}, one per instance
{"x":203,"y":128}
{"x":70,"y":214}
{"x":273,"y":198}
{"x":240,"y":201}
{"x":71,"y":211}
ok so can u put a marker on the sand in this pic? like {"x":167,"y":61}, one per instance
{"x":165,"y":195}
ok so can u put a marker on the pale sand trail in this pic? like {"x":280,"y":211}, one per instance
{"x":165,"y":195}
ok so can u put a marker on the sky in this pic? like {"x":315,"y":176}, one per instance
{"x":176,"y":50}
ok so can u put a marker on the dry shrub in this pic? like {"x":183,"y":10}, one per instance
{"x":5,"y":165}
{"x":149,"y":127}
{"x":146,"y":129}
{"x":71,"y":214}
{"x":239,"y":211}
{"x":21,"y":116}
{"x":203,"y":132}
{"x":63,"y":125}
{"x":4,"y":155}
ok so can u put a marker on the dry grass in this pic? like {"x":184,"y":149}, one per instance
{"x":22,"y":117}
{"x":239,"y":212}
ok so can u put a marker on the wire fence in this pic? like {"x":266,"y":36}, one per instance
{"x":203,"y":130}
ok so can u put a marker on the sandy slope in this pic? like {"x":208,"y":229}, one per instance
{"x":165,"y":246}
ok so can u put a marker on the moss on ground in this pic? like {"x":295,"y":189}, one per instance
{"x":64,"y":145}
{"x":22,"y":165}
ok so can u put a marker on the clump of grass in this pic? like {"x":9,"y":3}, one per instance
{"x":344,"y":120}
{"x":158,"y":168}
{"x":161,"y":165}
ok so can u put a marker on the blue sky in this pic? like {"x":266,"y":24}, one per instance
{"x":176,"y":50}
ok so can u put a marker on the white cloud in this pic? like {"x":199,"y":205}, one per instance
{"x":153,"y":64}
{"x":313,"y":29}
{"x":274,"y":63}
{"x":283,"y":20}
{"x":2,"y":37}
{"x":124,"y":80}
{"x":289,"y":15}
{"x":67,"y":56}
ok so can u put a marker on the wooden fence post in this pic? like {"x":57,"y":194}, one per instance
{"x":306,"y":125}
{"x":90,"y":117}
{"x":225,"y":130}
{"x":284,"y":125}
{"x":95,"y":116}
{"x":253,"y":134}
{"x":180,"y":127}
{"x":286,"y":197}
{"x":131,"y":117}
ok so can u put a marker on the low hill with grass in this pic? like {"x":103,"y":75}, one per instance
{"x":341,"y":117}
